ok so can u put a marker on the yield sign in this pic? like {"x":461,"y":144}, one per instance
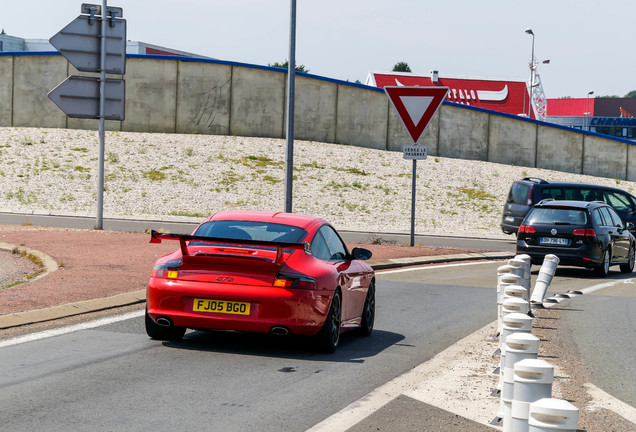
{"x":416,"y":106}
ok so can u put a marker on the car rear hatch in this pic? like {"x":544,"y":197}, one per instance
{"x":216,"y":260}
{"x":557,"y":228}
{"x":519,"y":201}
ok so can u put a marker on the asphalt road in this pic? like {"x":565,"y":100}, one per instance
{"x":115,"y":378}
{"x":602,"y":334}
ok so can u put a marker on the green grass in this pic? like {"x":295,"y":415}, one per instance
{"x":112,"y":157}
{"x":154,"y":175}
{"x":188,"y":214}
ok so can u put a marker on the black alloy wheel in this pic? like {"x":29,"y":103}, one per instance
{"x":329,"y":336}
{"x":368,"y":312}
{"x":603,"y":268}
{"x":628,"y":267}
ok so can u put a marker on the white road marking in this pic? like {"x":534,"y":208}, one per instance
{"x":432,"y":266}
{"x":593,"y":288}
{"x":422,"y":379}
{"x":70,"y":329}
{"x":600,"y":399}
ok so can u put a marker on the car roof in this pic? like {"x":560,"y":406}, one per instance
{"x":570,"y":204}
{"x":537,"y":181}
{"x":298,"y":220}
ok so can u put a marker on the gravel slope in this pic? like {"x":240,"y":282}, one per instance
{"x":187,"y":177}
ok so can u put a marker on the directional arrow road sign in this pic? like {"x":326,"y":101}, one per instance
{"x":78,"y":97}
{"x":80,"y":43}
{"x":416,"y":106}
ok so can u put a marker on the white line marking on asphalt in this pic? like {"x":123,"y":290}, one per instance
{"x":70,"y":329}
{"x":593,"y":288}
{"x":432,"y":266}
{"x":600,"y":399}
{"x":425,"y":375}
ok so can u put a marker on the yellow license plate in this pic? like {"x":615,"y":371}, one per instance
{"x":221,"y":306}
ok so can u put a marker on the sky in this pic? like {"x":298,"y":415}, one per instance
{"x":590,"y":44}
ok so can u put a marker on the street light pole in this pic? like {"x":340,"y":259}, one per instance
{"x":587,"y":114}
{"x":530,"y":32}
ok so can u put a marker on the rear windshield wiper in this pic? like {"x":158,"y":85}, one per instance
{"x":561,"y":223}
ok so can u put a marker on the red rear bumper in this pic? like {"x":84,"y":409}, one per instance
{"x":303,"y":312}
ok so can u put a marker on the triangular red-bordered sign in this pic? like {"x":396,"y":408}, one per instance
{"x":416,"y":106}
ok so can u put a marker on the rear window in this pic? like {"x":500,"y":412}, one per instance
{"x":248,"y":230}
{"x":557,"y":216}
{"x":519,"y":193}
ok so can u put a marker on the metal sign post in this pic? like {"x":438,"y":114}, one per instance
{"x":291,"y":74}
{"x":94,"y":42}
{"x":415,"y":106}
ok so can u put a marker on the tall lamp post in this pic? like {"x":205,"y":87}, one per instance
{"x":587,"y":114}
{"x":530,"y":32}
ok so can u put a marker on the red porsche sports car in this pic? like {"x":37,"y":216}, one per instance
{"x":277,"y":273}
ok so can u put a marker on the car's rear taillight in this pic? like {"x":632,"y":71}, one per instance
{"x":586,"y":232}
{"x":527,"y":229}
{"x":529,"y":200}
{"x":167,"y":271}
{"x":296,"y":281}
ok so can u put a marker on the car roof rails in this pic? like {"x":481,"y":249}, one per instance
{"x":536,"y":179}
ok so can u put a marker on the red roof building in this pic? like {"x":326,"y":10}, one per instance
{"x":507,"y":96}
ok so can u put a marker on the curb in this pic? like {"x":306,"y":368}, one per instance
{"x":19,"y":319}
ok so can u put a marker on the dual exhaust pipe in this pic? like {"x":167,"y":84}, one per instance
{"x":275,"y":331}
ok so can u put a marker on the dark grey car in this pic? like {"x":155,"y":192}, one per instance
{"x":525,"y":193}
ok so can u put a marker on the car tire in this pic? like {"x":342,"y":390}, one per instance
{"x":603,"y":269}
{"x":628,"y":267}
{"x":157,"y":332}
{"x":368,"y":312}
{"x":329,"y":336}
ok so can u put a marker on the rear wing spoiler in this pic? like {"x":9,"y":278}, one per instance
{"x":157,"y":237}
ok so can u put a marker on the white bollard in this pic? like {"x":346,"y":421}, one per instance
{"x":512,"y":323}
{"x":524,"y":272}
{"x":527,"y":268}
{"x":532,"y":381}
{"x":517,"y":291}
{"x":550,"y":263}
{"x":504,"y":278}
{"x":515,"y":322}
{"x":552,"y":415}
{"x":519,"y":346}
{"x":512,"y":304}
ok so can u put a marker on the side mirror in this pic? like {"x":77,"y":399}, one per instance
{"x":361,"y":253}
{"x":630,"y":226}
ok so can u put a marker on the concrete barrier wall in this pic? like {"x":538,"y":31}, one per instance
{"x":511,"y":141}
{"x":463,"y":133}
{"x":315,"y":109}
{"x":6,"y":90}
{"x":168,"y":94}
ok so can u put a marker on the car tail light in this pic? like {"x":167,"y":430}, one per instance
{"x":587,"y":232}
{"x":527,"y":229}
{"x":167,"y":271}
{"x":296,"y":281}
{"x":529,"y":201}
